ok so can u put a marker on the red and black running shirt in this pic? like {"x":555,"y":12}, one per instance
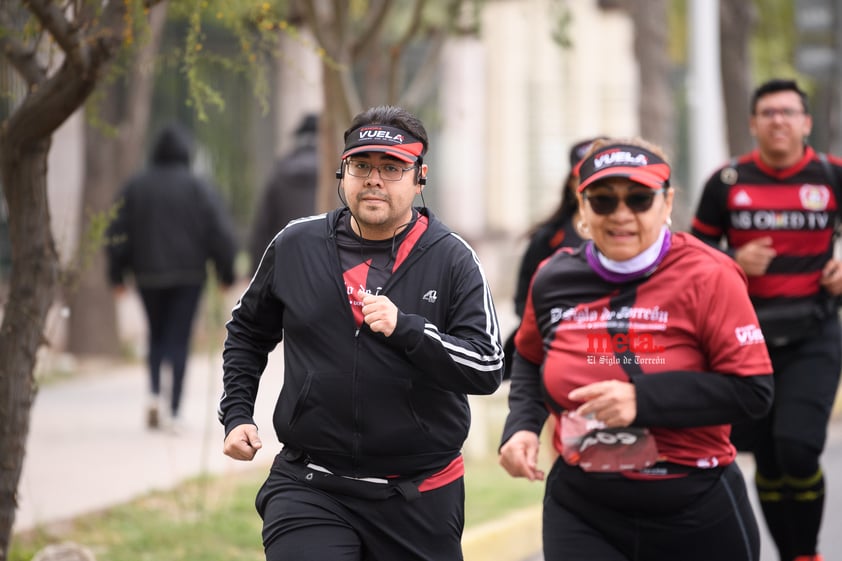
{"x":691,"y":314}
{"x":796,"y":206}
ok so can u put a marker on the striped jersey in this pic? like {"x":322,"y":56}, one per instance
{"x":797,"y":207}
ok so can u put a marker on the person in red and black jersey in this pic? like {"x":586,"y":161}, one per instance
{"x":388,"y":323}
{"x":637,"y":336}
{"x":775,"y":210}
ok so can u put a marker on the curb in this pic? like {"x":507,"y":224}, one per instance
{"x":513,"y":537}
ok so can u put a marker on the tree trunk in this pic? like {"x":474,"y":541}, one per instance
{"x":735,"y":20}
{"x":651,"y":46}
{"x":32,"y":288}
{"x":53,"y":95}
{"x":335,"y":119}
{"x":93,"y":328}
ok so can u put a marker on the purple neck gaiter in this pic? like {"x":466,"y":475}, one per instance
{"x":602,"y":266}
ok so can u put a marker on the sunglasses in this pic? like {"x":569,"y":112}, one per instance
{"x":636,"y":201}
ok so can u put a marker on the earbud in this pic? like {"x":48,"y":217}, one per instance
{"x":340,"y":172}
{"x":418,"y":165}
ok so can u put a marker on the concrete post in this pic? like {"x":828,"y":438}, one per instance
{"x":704,"y":96}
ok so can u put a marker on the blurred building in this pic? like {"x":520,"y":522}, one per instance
{"x":513,"y":102}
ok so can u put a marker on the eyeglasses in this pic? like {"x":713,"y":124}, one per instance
{"x":635,"y":201}
{"x":388,"y":172}
{"x":786,"y":113}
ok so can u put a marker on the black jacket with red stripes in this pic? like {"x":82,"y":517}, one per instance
{"x":357,"y":402}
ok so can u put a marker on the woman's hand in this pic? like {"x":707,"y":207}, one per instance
{"x":613,"y":402}
{"x":519,"y":456}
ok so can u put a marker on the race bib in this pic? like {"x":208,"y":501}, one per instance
{"x":587,"y":443}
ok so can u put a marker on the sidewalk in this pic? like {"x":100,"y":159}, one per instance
{"x":89,"y":449}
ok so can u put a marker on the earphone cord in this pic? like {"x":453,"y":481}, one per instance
{"x":392,"y":253}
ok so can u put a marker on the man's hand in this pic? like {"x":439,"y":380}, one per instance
{"x":832,"y":277}
{"x":755,"y":256}
{"x":242,"y":443}
{"x":519,"y":456}
{"x":379,"y":313}
{"x":613,"y":402}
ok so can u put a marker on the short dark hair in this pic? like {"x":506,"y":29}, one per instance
{"x":392,"y":116}
{"x":778,"y":85}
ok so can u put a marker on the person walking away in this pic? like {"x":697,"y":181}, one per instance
{"x":776,"y":210}
{"x":169,"y":224}
{"x":644,"y":346}
{"x":387,"y":323}
{"x":290,"y":190}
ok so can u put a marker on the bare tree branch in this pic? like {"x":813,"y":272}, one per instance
{"x":396,"y":51}
{"x":54,"y":99}
{"x":736,"y":19}
{"x":133,"y":130}
{"x":423,"y":81}
{"x":371,"y":29}
{"x":48,"y":105}
{"x":53,"y":19}
{"x":20,"y":56}
{"x":328,"y":34}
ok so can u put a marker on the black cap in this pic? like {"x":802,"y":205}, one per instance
{"x":580,"y":149}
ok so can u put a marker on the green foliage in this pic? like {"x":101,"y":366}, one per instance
{"x":253,"y":25}
{"x":773,"y":40}
{"x":490,"y":492}
{"x":564,"y":21}
{"x":92,"y":242}
{"x":679,"y":33}
{"x":196,"y":521}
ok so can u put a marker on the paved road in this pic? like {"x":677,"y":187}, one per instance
{"x":830,"y":539}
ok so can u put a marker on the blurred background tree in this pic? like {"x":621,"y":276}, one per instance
{"x":60,"y":54}
{"x":371,"y":52}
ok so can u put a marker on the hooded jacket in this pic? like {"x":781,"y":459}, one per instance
{"x":169,"y":223}
{"x":290,"y":193}
{"x":357,"y":402}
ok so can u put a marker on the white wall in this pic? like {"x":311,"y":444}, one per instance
{"x":300,"y":92}
{"x":513,"y":102}
{"x":531,"y":99}
{"x":460,"y":179}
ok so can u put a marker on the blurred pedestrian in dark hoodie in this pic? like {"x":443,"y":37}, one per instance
{"x":169,"y":224}
{"x":290,"y":190}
